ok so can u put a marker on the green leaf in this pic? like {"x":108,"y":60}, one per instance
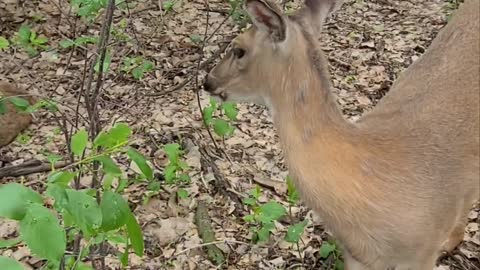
{"x":172,"y":151}
{"x":59,"y":193}
{"x":24,"y":33}
{"x":249,"y":201}
{"x":222,"y":128}
{"x":293,"y":195}
{"x":41,"y":231}
{"x":271,"y":211}
{"x":170,"y":173}
{"x":182,"y":193}
{"x":295,"y":231}
{"x":10,"y":264}
{"x":137,"y":73}
{"x":66,"y":43}
{"x":109,"y":166}
{"x":84,"y":210}
{"x":135,"y":234}
{"x":326,"y":249}
{"x":230,"y":110}
{"x":9,"y":243}
{"x":339,"y":265}
{"x":4,"y":44}
{"x":141,"y":162}
{"x":115,"y":211}
{"x":264,"y":231}
{"x":41,"y":40}
{"x":106,"y":63}
{"x":20,"y":103}
{"x":61,"y":177}
{"x":195,"y":38}
{"x":79,"y":142}
{"x":208,"y":114}
{"x":15,"y":199}
{"x":249,"y":218}
{"x":116,"y":135}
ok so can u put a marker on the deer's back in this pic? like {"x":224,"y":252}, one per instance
{"x":434,"y":104}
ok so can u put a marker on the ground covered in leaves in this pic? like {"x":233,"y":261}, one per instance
{"x":368,"y":43}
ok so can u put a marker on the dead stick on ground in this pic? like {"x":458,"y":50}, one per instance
{"x":29,"y":167}
{"x":205,"y":230}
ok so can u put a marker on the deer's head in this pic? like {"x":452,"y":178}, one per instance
{"x":260,"y":60}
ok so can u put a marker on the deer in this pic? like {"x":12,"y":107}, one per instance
{"x":394,"y":187}
{"x":12,"y":122}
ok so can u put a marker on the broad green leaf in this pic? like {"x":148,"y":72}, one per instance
{"x":172,"y":151}
{"x":41,"y":40}
{"x":230,"y":110}
{"x":109,"y":166}
{"x":141,"y":162}
{"x":20,"y":103}
{"x":326,"y":249}
{"x":15,"y":199}
{"x":249,"y":201}
{"x":222,"y":128}
{"x":271,"y":211}
{"x":66,"y":43}
{"x":195,"y":38}
{"x":83,"y":266}
{"x":24,"y":34}
{"x":339,"y":265}
{"x":137,"y":72}
{"x":115,"y":211}
{"x":10,"y":264}
{"x":41,"y":231}
{"x":79,"y":142}
{"x":116,"y":135}
{"x":208,"y":114}
{"x":147,"y":66}
{"x":9,"y":243}
{"x":59,"y":193}
{"x":62,"y":178}
{"x":170,"y":173}
{"x":182,"y":193}
{"x":4,"y":43}
{"x":295,"y":231}
{"x":249,"y":218}
{"x":135,"y":235}
{"x":84,"y":210}
{"x":264,"y":231}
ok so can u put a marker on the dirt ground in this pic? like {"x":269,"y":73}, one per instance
{"x":368,"y":43}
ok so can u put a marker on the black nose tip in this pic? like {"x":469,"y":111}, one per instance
{"x":207,"y":86}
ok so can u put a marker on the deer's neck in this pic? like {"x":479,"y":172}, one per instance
{"x":324,"y":151}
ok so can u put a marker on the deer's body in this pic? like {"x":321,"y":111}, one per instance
{"x":12,"y":122}
{"x":396,"y":186}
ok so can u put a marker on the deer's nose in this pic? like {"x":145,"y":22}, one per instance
{"x":207,"y":85}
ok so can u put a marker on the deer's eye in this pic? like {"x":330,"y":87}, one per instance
{"x":238,"y":52}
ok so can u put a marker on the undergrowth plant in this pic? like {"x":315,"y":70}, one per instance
{"x":99,"y":213}
{"x":220,"y":117}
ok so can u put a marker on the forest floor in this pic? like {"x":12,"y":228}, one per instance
{"x":367,"y":43}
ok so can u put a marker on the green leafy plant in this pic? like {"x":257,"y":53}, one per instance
{"x":48,"y":231}
{"x":330,"y":249}
{"x":176,"y":169}
{"x":238,"y":14}
{"x":29,"y":40}
{"x":137,"y":66}
{"x":80,"y":41}
{"x":221,"y":126}
{"x":168,"y":5}
{"x":4,"y":43}
{"x":88,"y":9}
{"x":263,"y":215}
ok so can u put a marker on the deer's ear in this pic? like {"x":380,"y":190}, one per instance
{"x":319,"y":11}
{"x":267,"y":17}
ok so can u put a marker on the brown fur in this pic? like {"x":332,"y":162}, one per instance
{"x":12,"y":122}
{"x":396,"y":186}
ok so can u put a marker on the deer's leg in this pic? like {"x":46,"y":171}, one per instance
{"x":456,"y":235}
{"x":351,"y":263}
